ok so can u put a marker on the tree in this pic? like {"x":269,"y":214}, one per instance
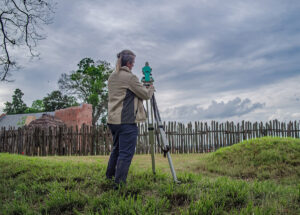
{"x":36,"y":107}
{"x":17,"y":106}
{"x":20,"y":26}
{"x":56,"y":100}
{"x":89,"y":83}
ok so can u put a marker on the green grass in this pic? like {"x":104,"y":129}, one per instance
{"x":263,"y":158}
{"x":255,"y":177}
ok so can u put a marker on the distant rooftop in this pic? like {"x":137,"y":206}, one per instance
{"x":18,"y":120}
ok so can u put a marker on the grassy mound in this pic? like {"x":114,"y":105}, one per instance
{"x":262,"y":158}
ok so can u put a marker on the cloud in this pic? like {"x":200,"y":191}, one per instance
{"x":216,"y":110}
{"x":284,"y":115}
{"x":199,"y":50}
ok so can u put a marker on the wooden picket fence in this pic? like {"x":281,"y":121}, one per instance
{"x":197,"y":137}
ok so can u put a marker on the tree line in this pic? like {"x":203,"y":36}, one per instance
{"x":87,"y":84}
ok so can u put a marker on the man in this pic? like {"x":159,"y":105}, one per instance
{"x":125,"y":109}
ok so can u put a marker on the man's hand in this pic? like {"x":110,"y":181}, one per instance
{"x":150,"y":87}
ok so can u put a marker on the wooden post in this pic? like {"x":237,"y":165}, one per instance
{"x":206,"y":137}
{"x":43,"y":142}
{"x":231,"y":134}
{"x":227,"y":134}
{"x":190,"y":137}
{"x":18,"y":145}
{"x":212,"y":129}
{"x":296,"y":127}
{"x":250,"y":130}
{"x":196,"y":137}
{"x":83,"y":135}
{"x":185,"y":139}
{"x":2,"y":143}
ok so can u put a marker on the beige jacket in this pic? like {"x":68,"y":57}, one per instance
{"x":125,"y":98}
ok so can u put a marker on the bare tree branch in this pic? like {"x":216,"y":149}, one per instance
{"x":20,"y":24}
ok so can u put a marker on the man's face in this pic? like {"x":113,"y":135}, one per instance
{"x":130,"y":65}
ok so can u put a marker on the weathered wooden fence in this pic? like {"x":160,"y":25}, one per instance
{"x":197,"y":137}
{"x":56,"y":140}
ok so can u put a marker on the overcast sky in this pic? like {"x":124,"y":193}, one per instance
{"x":211,"y":60}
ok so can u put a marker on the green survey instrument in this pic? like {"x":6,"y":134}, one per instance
{"x":154,"y":112}
{"x":147,"y":78}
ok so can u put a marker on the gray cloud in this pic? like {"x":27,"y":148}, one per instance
{"x":205,"y":48}
{"x":216,"y":110}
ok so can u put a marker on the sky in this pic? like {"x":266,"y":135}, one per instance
{"x":211,"y":60}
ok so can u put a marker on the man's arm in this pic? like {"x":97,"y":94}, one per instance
{"x":139,"y":89}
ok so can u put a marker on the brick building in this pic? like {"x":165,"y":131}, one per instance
{"x":78,"y":115}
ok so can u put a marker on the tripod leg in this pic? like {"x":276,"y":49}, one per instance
{"x":151,"y":136}
{"x":165,"y":143}
{"x":164,"y":137}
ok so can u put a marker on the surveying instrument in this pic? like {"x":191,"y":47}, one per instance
{"x":153,"y":111}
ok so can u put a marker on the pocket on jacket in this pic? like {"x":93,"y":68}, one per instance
{"x":140,"y":113}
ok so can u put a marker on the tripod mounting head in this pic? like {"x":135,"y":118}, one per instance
{"x":147,"y":71}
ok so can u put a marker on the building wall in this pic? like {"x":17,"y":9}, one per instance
{"x":78,"y":115}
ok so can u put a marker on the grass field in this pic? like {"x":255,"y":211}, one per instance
{"x":260,"y":176}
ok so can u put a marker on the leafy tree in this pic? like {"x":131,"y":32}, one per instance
{"x":36,"y":107}
{"x":20,"y":26}
{"x":56,"y":100}
{"x":89,"y":84}
{"x":17,"y":106}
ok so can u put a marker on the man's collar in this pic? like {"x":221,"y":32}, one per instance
{"x":125,"y":68}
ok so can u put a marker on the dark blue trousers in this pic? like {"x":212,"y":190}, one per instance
{"x":124,"y":138}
